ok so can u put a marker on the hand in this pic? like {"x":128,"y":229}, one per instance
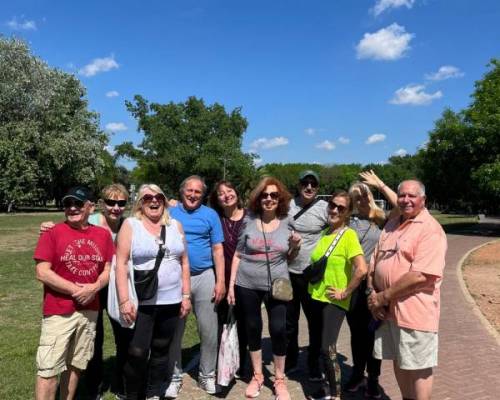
{"x":219,"y":292}
{"x":85,"y":293}
{"x":231,"y":298}
{"x":46,"y":226}
{"x":371,"y":179}
{"x":337,"y":294}
{"x":173,"y":202}
{"x":185,"y":307}
{"x":376,"y":300}
{"x":379,"y":313}
{"x":294,"y":241}
{"x":128,"y":312}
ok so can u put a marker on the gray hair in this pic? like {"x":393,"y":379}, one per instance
{"x":421,"y":186}
{"x":193,"y":178}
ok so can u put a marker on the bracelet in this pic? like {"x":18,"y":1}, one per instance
{"x":123,"y":302}
{"x":186,"y":296}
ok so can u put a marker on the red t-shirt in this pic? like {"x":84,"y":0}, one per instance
{"x":77,"y":256}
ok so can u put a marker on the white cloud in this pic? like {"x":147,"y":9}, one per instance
{"x":326,"y":145}
{"x":414,"y":95}
{"x":21,"y":24}
{"x":265,"y":143}
{"x":116,"y":127}
{"x":310,"y":131}
{"x":344,"y":140}
{"x":445,"y":72}
{"x":112,"y":93}
{"x":257,"y":161}
{"x":110,"y":149}
{"x":400,"y":153}
{"x":388,"y":43}
{"x":382,"y":5}
{"x":99,"y":65}
{"x":375,"y":138}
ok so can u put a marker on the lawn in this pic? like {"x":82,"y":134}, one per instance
{"x":20,"y":308}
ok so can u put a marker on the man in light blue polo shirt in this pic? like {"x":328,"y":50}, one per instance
{"x":204,"y":239}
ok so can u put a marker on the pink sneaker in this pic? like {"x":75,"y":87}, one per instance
{"x":253,"y":388}
{"x":280,"y":389}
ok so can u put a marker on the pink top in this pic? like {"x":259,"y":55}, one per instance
{"x":417,"y":244}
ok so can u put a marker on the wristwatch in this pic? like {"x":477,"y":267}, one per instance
{"x":368,"y":291}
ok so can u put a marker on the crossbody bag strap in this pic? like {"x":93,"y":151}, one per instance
{"x":267,"y":256}
{"x":335,"y":241}
{"x":161,"y":250}
{"x":304,"y":209}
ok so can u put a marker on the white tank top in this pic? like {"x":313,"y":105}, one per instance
{"x":144,"y":248}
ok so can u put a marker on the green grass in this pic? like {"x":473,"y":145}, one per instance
{"x":21,"y":305}
{"x":455,"y":222}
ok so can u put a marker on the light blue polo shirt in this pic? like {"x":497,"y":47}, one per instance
{"x":203,"y":229}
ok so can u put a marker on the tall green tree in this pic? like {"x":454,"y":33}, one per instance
{"x":188,"y":138}
{"x":49,"y":140}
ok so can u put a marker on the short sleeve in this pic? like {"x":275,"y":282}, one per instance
{"x":430,"y":253}
{"x":216,"y":233}
{"x":45,"y":248}
{"x":353,"y":247}
{"x":110,"y":247}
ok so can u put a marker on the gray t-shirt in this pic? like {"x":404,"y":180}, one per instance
{"x":309,"y":226}
{"x":368,"y":234}
{"x":252,"y":271}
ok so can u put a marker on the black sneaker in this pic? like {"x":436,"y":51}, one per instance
{"x":315,"y":375}
{"x":373,"y":389}
{"x":355,"y":383}
{"x":320,"y":394}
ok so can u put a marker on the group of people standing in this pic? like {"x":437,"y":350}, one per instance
{"x":227,"y":257}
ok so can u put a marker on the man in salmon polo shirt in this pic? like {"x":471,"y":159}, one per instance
{"x":72,"y":261}
{"x":406,"y":274}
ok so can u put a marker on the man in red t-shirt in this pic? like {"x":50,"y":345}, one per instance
{"x":72,"y":261}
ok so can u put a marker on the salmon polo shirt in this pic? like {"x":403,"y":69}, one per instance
{"x":417,"y":244}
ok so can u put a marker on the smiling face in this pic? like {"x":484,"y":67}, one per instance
{"x":361,"y":201}
{"x":410,"y":199}
{"x":76,"y":211}
{"x":269,"y":198}
{"x":338,"y":211}
{"x":152,"y":204}
{"x":227,"y":196}
{"x":192,"y":194}
{"x":308,"y":189}
{"x":114,"y":206}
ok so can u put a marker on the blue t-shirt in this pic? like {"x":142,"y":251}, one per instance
{"x":203,"y":229}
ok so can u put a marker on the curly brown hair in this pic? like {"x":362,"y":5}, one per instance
{"x":284,"y":200}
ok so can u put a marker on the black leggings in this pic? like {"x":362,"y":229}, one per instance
{"x":250,"y":301}
{"x":147,"y":365}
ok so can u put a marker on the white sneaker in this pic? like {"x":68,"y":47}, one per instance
{"x":153,"y":398}
{"x":208,"y":385}
{"x":173,"y":390}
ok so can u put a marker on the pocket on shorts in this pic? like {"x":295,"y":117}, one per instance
{"x":88,"y":343}
{"x":45,"y":358}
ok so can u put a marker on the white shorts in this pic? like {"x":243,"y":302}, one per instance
{"x":411,"y":349}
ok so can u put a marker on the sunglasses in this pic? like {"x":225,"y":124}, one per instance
{"x":148,"y":198}
{"x":272,"y":195}
{"x":71,"y":202}
{"x":333,"y":206}
{"x":307,"y":182}
{"x":112,"y":203}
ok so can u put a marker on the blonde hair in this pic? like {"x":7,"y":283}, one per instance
{"x":137,"y":208}
{"x":114,"y":190}
{"x":376,"y":214}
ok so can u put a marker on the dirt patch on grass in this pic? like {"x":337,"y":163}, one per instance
{"x":14,"y":240}
{"x":481,"y":273}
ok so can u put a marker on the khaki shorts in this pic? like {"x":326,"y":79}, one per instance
{"x":411,"y":348}
{"x":66,"y":340}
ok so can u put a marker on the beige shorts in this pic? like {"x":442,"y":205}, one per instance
{"x":66,"y":340}
{"x":411,"y":348}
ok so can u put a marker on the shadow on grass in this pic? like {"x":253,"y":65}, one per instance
{"x":471,"y":229}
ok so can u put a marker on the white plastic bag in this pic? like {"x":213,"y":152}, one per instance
{"x":229,"y":353}
{"x":113,"y":304}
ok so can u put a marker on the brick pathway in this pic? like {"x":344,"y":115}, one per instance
{"x":469,"y":356}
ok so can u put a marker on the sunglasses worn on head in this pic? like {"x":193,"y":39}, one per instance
{"x":272,"y":195}
{"x":307,"y":182}
{"x":148,"y":198}
{"x":71,"y":202}
{"x":112,"y":203}
{"x":334,"y":206}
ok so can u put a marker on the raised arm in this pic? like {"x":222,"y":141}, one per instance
{"x":371,"y":179}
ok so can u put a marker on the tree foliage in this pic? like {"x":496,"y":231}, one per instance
{"x":49,"y":140}
{"x":186,"y":138}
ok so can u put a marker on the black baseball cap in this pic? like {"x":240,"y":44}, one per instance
{"x":81,"y":193}
{"x":305,"y":174}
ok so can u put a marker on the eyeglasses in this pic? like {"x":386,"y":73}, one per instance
{"x":307,"y":182}
{"x":72,"y":202}
{"x":272,"y":195}
{"x":333,"y":206}
{"x":112,"y":203}
{"x":148,"y":198}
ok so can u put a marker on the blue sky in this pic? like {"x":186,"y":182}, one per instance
{"x":331,"y":81}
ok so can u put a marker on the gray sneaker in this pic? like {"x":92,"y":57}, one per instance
{"x":173,"y":390}
{"x":208,"y":385}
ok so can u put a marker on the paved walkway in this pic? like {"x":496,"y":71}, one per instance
{"x":469,"y":356}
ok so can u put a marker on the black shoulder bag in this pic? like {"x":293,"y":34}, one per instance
{"x":315,"y":271}
{"x":146,"y":282}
